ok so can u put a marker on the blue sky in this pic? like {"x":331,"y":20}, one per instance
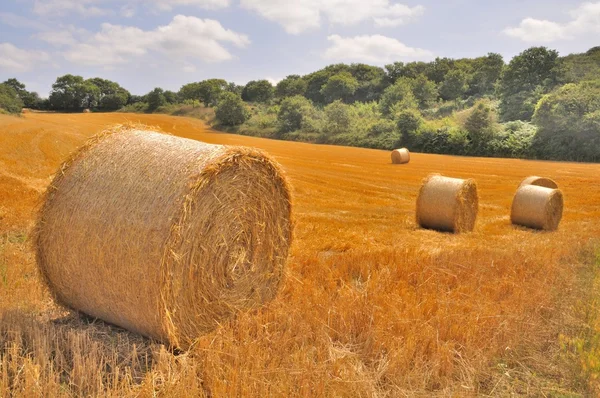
{"x":144,"y":44}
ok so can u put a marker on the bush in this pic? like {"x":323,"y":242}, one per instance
{"x":480,"y":125}
{"x":568,"y":122}
{"x":9,"y":100}
{"x":231,"y":110}
{"x":258,"y":91}
{"x":514,"y":140}
{"x":137,"y":107}
{"x":338,"y":117}
{"x":397,"y":97}
{"x":293,"y":114}
{"x":409,"y":121}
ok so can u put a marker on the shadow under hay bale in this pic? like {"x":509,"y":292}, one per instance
{"x":447,"y":204}
{"x":164,"y":236}
{"x":537,"y":207}
{"x":539,"y":181}
{"x":400,"y":156}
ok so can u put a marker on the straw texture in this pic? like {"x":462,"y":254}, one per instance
{"x":539,"y":181}
{"x":400,"y":156}
{"x":447,"y":204}
{"x":164,"y":236}
{"x":537,"y":207}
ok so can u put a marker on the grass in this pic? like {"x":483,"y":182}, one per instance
{"x":372,"y":305}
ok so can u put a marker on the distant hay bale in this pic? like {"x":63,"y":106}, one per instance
{"x":86,"y":111}
{"x":537,"y":207}
{"x":25,"y":110}
{"x":539,"y":181}
{"x":447,"y":204}
{"x":164,"y":236}
{"x":400,"y":156}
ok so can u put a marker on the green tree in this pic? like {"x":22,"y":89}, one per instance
{"x":292,"y":113}
{"x":190,"y":91}
{"x":111,"y":95}
{"x":210,"y":90}
{"x":72,"y":93}
{"x":9,"y":99}
{"x":408,"y":122}
{"x":234,"y":88}
{"x":397,"y":97}
{"x":528,"y":75}
{"x":439,"y":69}
{"x":338,"y":117}
{"x":155,"y":98}
{"x":486,"y":73}
{"x":454,"y":85}
{"x":341,"y":86}
{"x":580,"y":67}
{"x":371,"y":82}
{"x":30,"y":99}
{"x":290,"y":86}
{"x":314,"y":83}
{"x":479,"y":125}
{"x":425,"y":91}
{"x":231,"y":110}
{"x":568,"y":122}
{"x":258,"y":91}
{"x":171,"y":97}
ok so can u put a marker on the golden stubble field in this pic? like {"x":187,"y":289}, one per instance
{"x":372,"y":306}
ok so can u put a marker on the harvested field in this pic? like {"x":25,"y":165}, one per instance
{"x":371,"y":304}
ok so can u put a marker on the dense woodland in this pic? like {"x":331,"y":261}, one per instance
{"x":539,"y":105}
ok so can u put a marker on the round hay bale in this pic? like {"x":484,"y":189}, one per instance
{"x":540,"y":182}
{"x":86,"y":111}
{"x":164,"y":236}
{"x":537,"y":207}
{"x":400,"y":156}
{"x":447,"y":204}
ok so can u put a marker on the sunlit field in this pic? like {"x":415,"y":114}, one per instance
{"x":371,"y":306}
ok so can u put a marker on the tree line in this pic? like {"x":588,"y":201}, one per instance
{"x":538,"y":105}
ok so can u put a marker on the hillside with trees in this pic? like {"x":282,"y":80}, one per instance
{"x":538,"y":105}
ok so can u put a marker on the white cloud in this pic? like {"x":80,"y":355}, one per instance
{"x":15,"y":59}
{"x":272,"y":80}
{"x":64,"y":37}
{"x":128,"y":11}
{"x":18,"y":21}
{"x":62,"y":7}
{"x":206,"y":4}
{"x":584,"y":19}
{"x":93,"y":8}
{"x":302,"y":15}
{"x":189,"y":68}
{"x":184,"y":38}
{"x":375,"y":49}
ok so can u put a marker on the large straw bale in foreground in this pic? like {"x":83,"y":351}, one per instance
{"x":447,"y":204}
{"x":539,"y":181}
{"x":162,"y":235}
{"x":400,"y":156}
{"x":537,"y":207}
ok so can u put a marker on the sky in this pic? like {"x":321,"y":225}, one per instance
{"x":143,"y":44}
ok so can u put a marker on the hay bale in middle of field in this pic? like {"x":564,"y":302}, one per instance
{"x":539,"y":181}
{"x":537,"y":207}
{"x":400,"y":156}
{"x":447,"y":204}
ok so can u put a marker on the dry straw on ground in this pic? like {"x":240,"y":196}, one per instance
{"x":537,"y":207}
{"x":400,"y":156}
{"x":162,"y":235}
{"x":539,"y":181}
{"x":447,"y":204}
